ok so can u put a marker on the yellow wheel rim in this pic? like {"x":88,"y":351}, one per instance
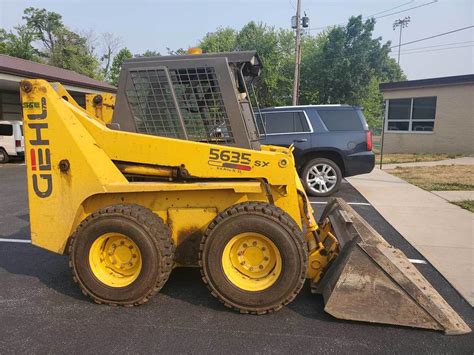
{"x":115,"y":260}
{"x":251,"y":261}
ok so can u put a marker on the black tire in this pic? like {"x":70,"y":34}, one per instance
{"x":146,"y":230}
{"x":4,"y":158}
{"x":274,"y":224}
{"x":307,"y":173}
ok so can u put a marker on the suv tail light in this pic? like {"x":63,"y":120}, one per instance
{"x":369,"y":140}
{"x":18,"y":143}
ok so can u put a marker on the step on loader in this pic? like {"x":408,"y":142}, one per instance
{"x":171,"y":173}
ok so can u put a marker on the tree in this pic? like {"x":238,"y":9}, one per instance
{"x":116,"y":66}
{"x":60,"y":46}
{"x":274,"y":47}
{"x":110,"y":45}
{"x":149,"y":53}
{"x":224,"y":39}
{"x":18,"y":44}
{"x":346,"y":67}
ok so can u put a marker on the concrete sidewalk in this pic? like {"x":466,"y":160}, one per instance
{"x":456,"y":161}
{"x":443,"y":233}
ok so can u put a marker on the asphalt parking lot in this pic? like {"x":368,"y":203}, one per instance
{"x":43,"y":311}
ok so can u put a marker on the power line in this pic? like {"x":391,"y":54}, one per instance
{"x":411,"y":8}
{"x":327,"y":59}
{"x":376,"y":17}
{"x":438,"y":45}
{"x":393,"y":8}
{"x":433,"y":50}
{"x":434,"y":36}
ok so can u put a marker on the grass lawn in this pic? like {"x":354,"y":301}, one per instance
{"x":411,"y":158}
{"x":438,"y":178}
{"x":466,"y":204}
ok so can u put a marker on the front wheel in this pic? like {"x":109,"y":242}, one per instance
{"x":121,"y":255}
{"x":253,"y":258}
{"x":321,"y":177}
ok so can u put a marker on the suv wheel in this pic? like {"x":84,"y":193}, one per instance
{"x":321,"y":177}
{"x":4,"y":158}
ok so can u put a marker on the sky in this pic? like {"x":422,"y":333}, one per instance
{"x":156,"y":25}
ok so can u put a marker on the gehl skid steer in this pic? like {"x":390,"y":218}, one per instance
{"x":171,"y":173}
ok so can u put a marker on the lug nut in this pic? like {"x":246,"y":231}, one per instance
{"x":263,"y":248}
{"x":254,"y":244}
{"x":134,"y":256}
{"x":265,"y":258}
{"x":130,"y":247}
{"x":242,"y":263}
{"x":260,"y":267}
{"x":122,"y":242}
{"x":245,"y":245}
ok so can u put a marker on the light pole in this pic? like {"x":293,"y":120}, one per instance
{"x":402,"y":23}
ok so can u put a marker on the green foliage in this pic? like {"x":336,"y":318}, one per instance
{"x":274,"y":47}
{"x":60,"y":46}
{"x":224,"y":39}
{"x":114,"y":73}
{"x":18,"y":44}
{"x":372,"y":103}
{"x":44,"y":38}
{"x":346,"y":62}
{"x":149,"y":53}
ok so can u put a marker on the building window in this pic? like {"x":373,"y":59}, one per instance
{"x":411,"y":115}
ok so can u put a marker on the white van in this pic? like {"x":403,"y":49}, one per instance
{"x":12,"y":143}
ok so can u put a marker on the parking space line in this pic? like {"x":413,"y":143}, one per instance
{"x":349,"y":203}
{"x":9,"y":240}
{"x":417,"y":261}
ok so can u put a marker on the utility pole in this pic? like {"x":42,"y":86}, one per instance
{"x":296,"y":83}
{"x":402,"y":23}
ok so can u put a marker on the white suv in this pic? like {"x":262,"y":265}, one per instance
{"x":12,"y":143}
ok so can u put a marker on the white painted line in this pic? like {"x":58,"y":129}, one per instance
{"x":349,"y":203}
{"x":417,"y":261}
{"x":8,"y":240}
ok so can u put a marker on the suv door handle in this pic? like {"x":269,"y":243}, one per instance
{"x":302,"y":140}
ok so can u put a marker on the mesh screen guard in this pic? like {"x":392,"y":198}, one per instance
{"x":186,"y":98}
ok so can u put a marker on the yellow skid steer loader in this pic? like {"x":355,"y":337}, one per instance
{"x":171,"y":173}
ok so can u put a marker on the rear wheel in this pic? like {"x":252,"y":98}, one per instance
{"x":253,"y":258}
{"x":321,"y":177}
{"x":4,"y":158}
{"x":121,"y":255}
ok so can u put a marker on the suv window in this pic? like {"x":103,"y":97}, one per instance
{"x":341,"y":120}
{"x":285,"y":122}
{"x":6,"y":130}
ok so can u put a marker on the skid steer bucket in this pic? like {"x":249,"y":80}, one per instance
{"x":372,"y":281}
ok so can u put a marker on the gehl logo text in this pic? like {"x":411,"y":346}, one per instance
{"x":40,"y":155}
